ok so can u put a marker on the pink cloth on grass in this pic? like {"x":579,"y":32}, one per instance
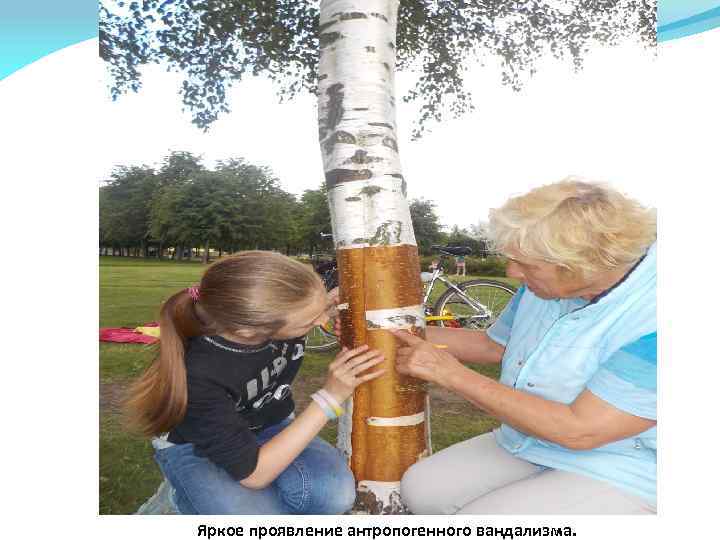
{"x":126,"y":335}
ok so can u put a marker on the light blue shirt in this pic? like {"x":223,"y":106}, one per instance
{"x":555,"y":349}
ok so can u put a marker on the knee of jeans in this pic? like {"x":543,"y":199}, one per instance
{"x":339,"y":492}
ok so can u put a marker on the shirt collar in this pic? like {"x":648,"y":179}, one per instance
{"x":650,"y":254}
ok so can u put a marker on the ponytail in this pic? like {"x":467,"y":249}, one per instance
{"x":255,"y":289}
{"x":156,"y":402}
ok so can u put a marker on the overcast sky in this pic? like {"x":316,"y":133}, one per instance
{"x":599,"y":123}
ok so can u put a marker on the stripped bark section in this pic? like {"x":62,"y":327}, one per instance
{"x":352,"y":291}
{"x":379,"y":279}
{"x":392,"y":275}
{"x":407,"y":443}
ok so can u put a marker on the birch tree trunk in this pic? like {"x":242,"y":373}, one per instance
{"x":379,"y":268}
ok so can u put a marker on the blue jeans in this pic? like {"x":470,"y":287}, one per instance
{"x":318,"y":481}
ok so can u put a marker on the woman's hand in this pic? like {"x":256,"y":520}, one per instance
{"x":345,"y":371}
{"x":418,"y":358}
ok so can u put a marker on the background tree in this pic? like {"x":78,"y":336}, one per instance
{"x":314,"y":219}
{"x":237,"y":205}
{"x":125,"y":208}
{"x":425,"y":224}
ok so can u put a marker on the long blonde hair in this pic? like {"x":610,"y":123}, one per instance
{"x":254,"y":289}
{"x":584,"y":227}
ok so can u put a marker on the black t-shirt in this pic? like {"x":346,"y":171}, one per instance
{"x":231,"y":391}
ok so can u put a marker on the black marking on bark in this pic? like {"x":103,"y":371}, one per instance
{"x":361,"y":157}
{"x":380,"y":124}
{"x":379,"y":16}
{"x":396,"y":175}
{"x":325,"y":26}
{"x":390,"y":143}
{"x":387,"y":233}
{"x":367,"y":502}
{"x":403,"y":188}
{"x":339,"y":176}
{"x":361,"y":109}
{"x":371,"y":190}
{"x":371,"y":325}
{"x":391,"y":45}
{"x":370,"y":49}
{"x":328,"y":38}
{"x":353,"y":199}
{"x":335,"y":105}
{"x":387,"y":66}
{"x":412,"y":320}
{"x":323,"y":77}
{"x":359,"y":241}
{"x":352,"y":15}
{"x":339,"y":136}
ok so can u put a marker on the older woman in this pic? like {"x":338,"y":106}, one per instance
{"x":577,"y":343}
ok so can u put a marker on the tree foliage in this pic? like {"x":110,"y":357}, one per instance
{"x":216,"y":43}
{"x":234,"y":206}
{"x":426,"y":225}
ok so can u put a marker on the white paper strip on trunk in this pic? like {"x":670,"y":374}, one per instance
{"x":400,"y":318}
{"x":402,"y":421}
{"x":367,"y":213}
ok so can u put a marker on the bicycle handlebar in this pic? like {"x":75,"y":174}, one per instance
{"x":455,"y":251}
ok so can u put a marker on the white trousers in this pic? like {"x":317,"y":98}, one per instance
{"x":479,"y":477}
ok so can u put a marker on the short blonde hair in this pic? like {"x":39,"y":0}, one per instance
{"x":584,"y":227}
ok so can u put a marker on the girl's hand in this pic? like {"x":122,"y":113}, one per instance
{"x":345,"y":371}
{"x":334,"y":297}
{"x":421,"y":359}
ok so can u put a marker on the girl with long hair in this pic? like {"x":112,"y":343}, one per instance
{"x":217,"y":397}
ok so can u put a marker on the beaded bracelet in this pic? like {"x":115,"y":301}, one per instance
{"x":324,"y":405}
{"x":332,"y":401}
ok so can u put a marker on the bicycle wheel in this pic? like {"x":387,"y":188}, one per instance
{"x":321,"y":339}
{"x":491,"y":297}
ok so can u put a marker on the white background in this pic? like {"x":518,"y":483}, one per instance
{"x":59,"y":136}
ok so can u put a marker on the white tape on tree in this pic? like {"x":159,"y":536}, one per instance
{"x":410,"y":420}
{"x":396,"y":318}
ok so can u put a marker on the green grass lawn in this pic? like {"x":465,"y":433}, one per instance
{"x":131,"y":291}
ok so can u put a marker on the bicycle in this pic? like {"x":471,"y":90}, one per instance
{"x":322,"y":338}
{"x":473,"y":304}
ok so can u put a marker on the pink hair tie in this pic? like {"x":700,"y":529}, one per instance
{"x":194,"y":292}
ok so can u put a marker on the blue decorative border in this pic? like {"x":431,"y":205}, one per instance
{"x":685,"y":19}
{"x":31,"y":29}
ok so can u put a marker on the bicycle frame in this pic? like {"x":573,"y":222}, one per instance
{"x":437,"y":276}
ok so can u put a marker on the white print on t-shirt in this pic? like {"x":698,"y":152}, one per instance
{"x":266,"y":375}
